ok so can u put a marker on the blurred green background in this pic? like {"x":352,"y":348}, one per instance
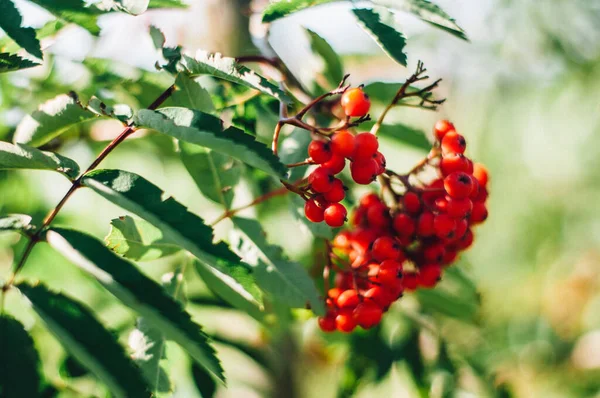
{"x":524,"y":92}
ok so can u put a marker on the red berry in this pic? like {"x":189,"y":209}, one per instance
{"x":459,"y":208}
{"x":367,"y":314}
{"x":429,"y":275}
{"x":441,"y":204}
{"x":476,"y":188}
{"x":479,"y":213}
{"x":348,"y":299}
{"x":342,"y":240}
{"x":412,"y":203}
{"x":378,"y":295}
{"x":453,"y":143}
{"x":389,"y":272}
{"x":410,"y":281}
{"x":319,"y":151}
{"x":461,"y":228}
{"x":337,"y":193}
{"x":355,"y":102}
{"x":385,"y":248}
{"x":454,"y":162}
{"x":404,"y":224}
{"x":442,"y":127}
{"x":480,"y":173}
{"x":425,"y":225}
{"x":450,"y":256}
{"x":344,"y":321}
{"x":365,"y":146}
{"x":335,"y":215}
{"x":466,"y":241}
{"x":344,"y":280}
{"x":482,"y":195}
{"x":342,"y":143}
{"x":334,"y":293}
{"x":444,"y":226}
{"x":364,"y":171}
{"x":458,"y":185}
{"x":381,"y":163}
{"x":435,"y":252}
{"x":369,"y":200}
{"x":313,"y":212}
{"x":336,"y":164}
{"x":378,"y":215}
{"x":327,"y":323}
{"x":321,"y":179}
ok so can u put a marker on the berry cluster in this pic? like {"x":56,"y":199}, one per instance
{"x":406,"y":245}
{"x":330,"y":153}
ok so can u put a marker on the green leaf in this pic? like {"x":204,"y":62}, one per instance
{"x":120,"y":112}
{"x":281,"y":8}
{"x":133,"y":7}
{"x":382,"y":27}
{"x":178,"y":226}
{"x":138,"y":240}
{"x":403,"y":134}
{"x":15,"y":222}
{"x":136,"y":291}
{"x":20,"y":156}
{"x":204,"y":383}
{"x":167,"y":4}
{"x":206,"y":130}
{"x":215,"y":174}
{"x":49,"y":29}
{"x":428,"y":12}
{"x":158,"y":37}
{"x":52,"y":119}
{"x":190,"y":94}
{"x":332,"y":69}
{"x":84,"y":337}
{"x":319,"y":230}
{"x":20,"y":364}
{"x":226,"y":68}
{"x":287,"y":281}
{"x":446,"y":303}
{"x":10,"y":23}
{"x":75,"y":11}
{"x":12,"y":62}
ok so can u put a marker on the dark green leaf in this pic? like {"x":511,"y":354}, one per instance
{"x":215,"y":174}
{"x":49,"y":29}
{"x":178,"y":226}
{"x":20,"y":363}
{"x":331,"y":69}
{"x":226,"y":68}
{"x":52,"y":118}
{"x":138,"y":240}
{"x":206,"y":130}
{"x":21,"y":156}
{"x":12,"y":62}
{"x":190,"y":94}
{"x":380,"y":25}
{"x":136,"y":291}
{"x":281,"y":8}
{"x":287,"y":281}
{"x":204,"y":382}
{"x":15,"y":222}
{"x":75,"y":11}
{"x":319,"y":230}
{"x":428,"y":12}
{"x":10,"y":23}
{"x":87,"y":340}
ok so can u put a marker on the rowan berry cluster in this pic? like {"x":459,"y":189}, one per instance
{"x":406,"y":245}
{"x":330,"y":153}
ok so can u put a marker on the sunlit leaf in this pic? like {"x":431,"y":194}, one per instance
{"x":15,"y":222}
{"x":21,"y":156}
{"x":10,"y":23}
{"x":190,"y":94}
{"x":381,"y":26}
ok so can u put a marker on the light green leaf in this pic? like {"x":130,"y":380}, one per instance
{"x":206,"y":130}
{"x":319,"y":230}
{"x":331,"y":65}
{"x":428,"y":12}
{"x":10,"y":23}
{"x":287,"y":281}
{"x":403,"y":134}
{"x":215,"y":174}
{"x":21,"y":156}
{"x":75,"y":11}
{"x":87,"y":340}
{"x":12,"y":62}
{"x":52,"y":119}
{"x":294,"y":149}
{"x":138,"y":240}
{"x":382,"y":27}
{"x":166,"y":4}
{"x":281,"y":8}
{"x":15,"y":222}
{"x":120,"y":112}
{"x":20,"y":364}
{"x":454,"y":305}
{"x":178,"y":226}
{"x":158,"y":37}
{"x":136,"y":291}
{"x":226,"y":68}
{"x":190,"y":94}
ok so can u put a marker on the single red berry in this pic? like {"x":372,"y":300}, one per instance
{"x":444,"y":226}
{"x":476,"y":188}
{"x":365,"y":146}
{"x":378,"y":295}
{"x":429,"y":275}
{"x":425,"y":226}
{"x":461,"y":228}
{"x":342,"y":240}
{"x":319,"y":151}
{"x":450,"y":256}
{"x":454,"y":162}
{"x":336,"y":164}
{"x":459,"y":208}
{"x":355,"y":102}
{"x":362,"y":239}
{"x":482,"y":195}
{"x":466,"y":241}
{"x":458,"y":185}
{"x":342,"y":143}
{"x":348,"y":299}
{"x":410,"y":281}
{"x":385,"y":248}
{"x":344,"y":321}
{"x":412,"y":202}
{"x":327,"y":323}
{"x":479,"y":213}
{"x":364,"y":171}
{"x":378,"y":215}
{"x":369,"y":199}
{"x":313,"y":212}
{"x":481,"y":174}
{"x":367,"y":314}
{"x":335,"y":215}
{"x":334,"y":293}
{"x":390,"y":273}
{"x":441,"y":204}
{"x":381,"y":163}
{"x":453,"y":143}
{"x":435,"y":252}
{"x":442,"y":127}
{"x":337,"y":193}
{"x":321,"y":179}
{"x":404,"y":224}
